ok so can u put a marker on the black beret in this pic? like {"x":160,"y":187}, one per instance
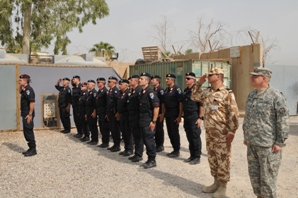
{"x":190,"y":74}
{"x":113,"y":78}
{"x":101,"y":79}
{"x":123,"y":81}
{"x":156,"y":76}
{"x":135,"y":76}
{"x":76,"y":76}
{"x":171,"y":75}
{"x":91,"y":81}
{"x":66,"y":79}
{"x":84,"y":84}
{"x":24,"y":76}
{"x":145,"y":74}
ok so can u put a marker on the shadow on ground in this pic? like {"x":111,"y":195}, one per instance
{"x":14,"y":147}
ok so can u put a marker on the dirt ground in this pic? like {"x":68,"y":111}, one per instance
{"x":65,"y":167}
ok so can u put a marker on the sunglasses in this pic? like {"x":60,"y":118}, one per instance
{"x":188,"y":78}
{"x":211,"y":74}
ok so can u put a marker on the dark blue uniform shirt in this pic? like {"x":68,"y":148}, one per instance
{"x":27,"y":96}
{"x":172,"y":98}
{"x":64,"y":96}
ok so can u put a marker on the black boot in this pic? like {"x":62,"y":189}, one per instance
{"x":150,"y":163}
{"x":30,"y":152}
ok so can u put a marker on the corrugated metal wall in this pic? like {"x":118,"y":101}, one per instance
{"x":179,"y":68}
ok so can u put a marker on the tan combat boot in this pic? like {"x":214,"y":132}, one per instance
{"x":212,"y":188}
{"x":221,"y":191}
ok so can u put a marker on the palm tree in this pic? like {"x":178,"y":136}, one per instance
{"x":103,"y":49}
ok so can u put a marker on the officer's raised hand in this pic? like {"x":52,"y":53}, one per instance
{"x":202,"y":79}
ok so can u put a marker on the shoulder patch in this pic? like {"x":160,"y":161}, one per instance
{"x":115,"y":91}
{"x":94,"y":94}
{"x":179,"y":90}
{"x":161,"y":92}
{"x":28,"y":92}
{"x":68,"y":90}
{"x":151,"y":95}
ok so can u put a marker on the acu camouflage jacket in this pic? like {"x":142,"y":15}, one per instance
{"x":266,"y":120}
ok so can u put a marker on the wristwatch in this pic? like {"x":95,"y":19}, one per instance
{"x":29,"y":114}
{"x":154,"y":122}
{"x":201,"y":118}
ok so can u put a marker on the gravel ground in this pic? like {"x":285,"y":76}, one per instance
{"x":66,"y":167}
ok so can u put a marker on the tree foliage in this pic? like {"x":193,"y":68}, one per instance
{"x":46,"y":20}
{"x":103,"y":49}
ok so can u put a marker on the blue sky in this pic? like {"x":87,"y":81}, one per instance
{"x":130,"y":24}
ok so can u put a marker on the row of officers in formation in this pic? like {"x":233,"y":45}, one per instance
{"x":137,"y":112}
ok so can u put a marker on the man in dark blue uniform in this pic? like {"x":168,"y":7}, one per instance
{"x":133,"y":105}
{"x":173,"y":113}
{"x":112,"y":97}
{"x":193,"y":116}
{"x":101,"y":105}
{"x":76,"y":92}
{"x":149,"y":109}
{"x":159,"y":135}
{"x":27,"y":113}
{"x":64,"y":102}
{"x":122,"y":116}
{"x":91,"y":112}
{"x":83,"y":112}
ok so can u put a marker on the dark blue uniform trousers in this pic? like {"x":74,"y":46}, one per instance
{"x":92,"y":123}
{"x":104,"y":128}
{"x":126,"y":134}
{"x":173,"y":132}
{"x":114,"y":127}
{"x":193,"y":134}
{"x":28,"y":132}
{"x":137,"y":136}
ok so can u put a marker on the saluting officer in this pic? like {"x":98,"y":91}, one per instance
{"x":76,"y":92}
{"x":149,"y":109}
{"x":123,"y":117}
{"x":101,"y":104}
{"x":27,"y":113}
{"x":112,"y":97}
{"x":64,"y":102}
{"x":82,"y":112}
{"x":159,"y":135}
{"x":193,"y":116}
{"x":134,"y":117}
{"x":91,"y":112}
{"x":173,"y":112}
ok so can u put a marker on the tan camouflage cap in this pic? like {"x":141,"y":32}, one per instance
{"x":261,"y":71}
{"x":216,"y":70}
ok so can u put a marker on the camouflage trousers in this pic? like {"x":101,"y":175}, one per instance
{"x":219,"y":158}
{"x":263,"y":168}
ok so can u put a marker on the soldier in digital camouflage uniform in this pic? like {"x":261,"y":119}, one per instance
{"x":221,"y":123}
{"x":266,"y":127}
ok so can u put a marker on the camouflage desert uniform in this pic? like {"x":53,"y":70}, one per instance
{"x":266,"y":123}
{"x":220,"y":119}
